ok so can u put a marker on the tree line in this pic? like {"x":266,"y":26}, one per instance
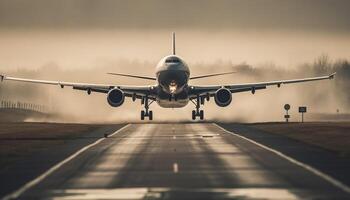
{"x":6,"y":104}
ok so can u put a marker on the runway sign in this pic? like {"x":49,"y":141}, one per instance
{"x":302,"y":109}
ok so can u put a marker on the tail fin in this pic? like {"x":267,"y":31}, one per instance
{"x":174,"y":52}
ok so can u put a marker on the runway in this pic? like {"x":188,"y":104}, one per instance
{"x":179,"y":161}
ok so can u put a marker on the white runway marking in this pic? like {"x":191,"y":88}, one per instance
{"x":30,"y":184}
{"x":158,"y":193}
{"x":328,"y":178}
{"x":175,"y":168}
{"x":174,"y":137}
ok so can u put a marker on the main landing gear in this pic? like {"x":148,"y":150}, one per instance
{"x":198,"y":113}
{"x":146,"y":113}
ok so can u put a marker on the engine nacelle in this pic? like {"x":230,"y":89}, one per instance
{"x":223,"y":97}
{"x":115,"y":97}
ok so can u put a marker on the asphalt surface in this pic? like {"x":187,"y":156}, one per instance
{"x":329,"y":162}
{"x":180,"y":161}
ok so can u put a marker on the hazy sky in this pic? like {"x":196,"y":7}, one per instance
{"x":88,"y":33}
{"x":80,"y":34}
{"x":206,"y":14}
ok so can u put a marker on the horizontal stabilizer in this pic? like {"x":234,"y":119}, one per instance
{"x":211,"y":75}
{"x":133,"y":76}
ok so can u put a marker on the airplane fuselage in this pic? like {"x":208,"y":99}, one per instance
{"x":172,"y":76}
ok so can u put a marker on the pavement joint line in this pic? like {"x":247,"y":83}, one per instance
{"x":37,"y":180}
{"x":315,"y":171}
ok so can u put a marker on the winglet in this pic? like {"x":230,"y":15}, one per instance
{"x":174,"y":50}
{"x":2,"y":77}
{"x":331,"y":76}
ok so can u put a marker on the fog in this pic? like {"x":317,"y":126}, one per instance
{"x":80,"y":41}
{"x":76,"y":49}
{"x":265,"y":105}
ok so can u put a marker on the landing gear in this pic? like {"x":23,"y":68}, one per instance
{"x":142,"y":115}
{"x":146,"y":113}
{"x":198,"y":113}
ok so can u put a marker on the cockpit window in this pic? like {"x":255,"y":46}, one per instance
{"x":172,"y":60}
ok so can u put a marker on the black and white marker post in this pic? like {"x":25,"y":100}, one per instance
{"x":286,"y":116}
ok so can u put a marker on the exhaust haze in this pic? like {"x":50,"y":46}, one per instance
{"x":264,"y":105}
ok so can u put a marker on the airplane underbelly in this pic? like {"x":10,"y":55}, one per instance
{"x":166,"y":100}
{"x":179,"y":103}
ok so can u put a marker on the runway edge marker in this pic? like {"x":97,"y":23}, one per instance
{"x":313,"y":170}
{"x":32,"y":183}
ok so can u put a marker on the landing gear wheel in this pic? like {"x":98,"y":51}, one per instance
{"x":201,"y":114}
{"x":146,"y":113}
{"x":142,"y":115}
{"x":197,"y":112}
{"x":150,"y":115}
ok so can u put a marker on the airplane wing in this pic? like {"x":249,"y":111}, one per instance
{"x":132,"y":76}
{"x":152,"y":78}
{"x":130,"y":91}
{"x":210,"y":90}
{"x":210,"y":75}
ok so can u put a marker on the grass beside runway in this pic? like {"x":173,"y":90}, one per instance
{"x":28,"y":149}
{"x":18,"y":140}
{"x":333,"y":136}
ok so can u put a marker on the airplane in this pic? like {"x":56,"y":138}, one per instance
{"x":172,"y":89}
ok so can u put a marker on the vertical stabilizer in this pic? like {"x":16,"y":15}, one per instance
{"x":174,"y":52}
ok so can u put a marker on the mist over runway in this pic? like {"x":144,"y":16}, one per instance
{"x":181,"y":161}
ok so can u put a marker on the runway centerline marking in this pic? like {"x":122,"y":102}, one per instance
{"x":32,"y":183}
{"x":315,"y":171}
{"x":175,"y":168}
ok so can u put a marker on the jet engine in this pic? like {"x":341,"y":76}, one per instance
{"x":115,"y":97}
{"x":223,"y":97}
